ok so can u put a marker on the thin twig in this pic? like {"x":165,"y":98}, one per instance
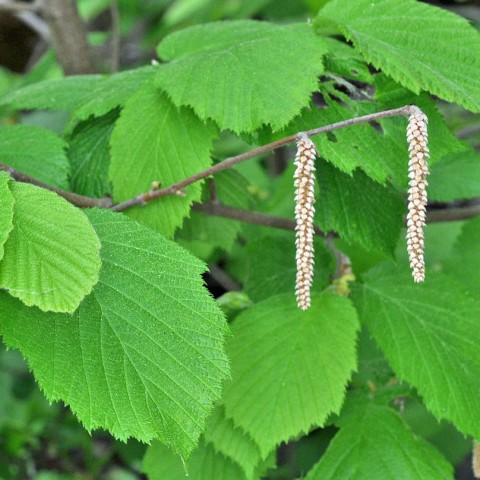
{"x":116,"y":36}
{"x":213,"y":208}
{"x":222,"y":278}
{"x":75,"y":199}
{"x":212,"y":189}
{"x":247,"y":216}
{"x":453,"y":214}
{"x":468,"y":131}
{"x":144,"y":198}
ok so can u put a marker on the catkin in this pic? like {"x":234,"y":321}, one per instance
{"x":304,"y":210}
{"x":476,"y":459}
{"x":417,"y":137}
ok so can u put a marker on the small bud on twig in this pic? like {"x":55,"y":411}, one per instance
{"x":304,"y":210}
{"x":417,"y":137}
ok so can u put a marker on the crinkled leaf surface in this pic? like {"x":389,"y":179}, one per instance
{"x":89,"y":154}
{"x":420,"y":46}
{"x":358,"y":146}
{"x":37,"y":152}
{"x":441,"y":140}
{"x":359,"y":209}
{"x":429,"y":335}
{"x":6,"y":211}
{"x":52,"y":254}
{"x":143,"y":356}
{"x":232,"y":442}
{"x":455,"y":177}
{"x":375,"y":444}
{"x":277,"y":354}
{"x":246,"y":73}
{"x":272,"y":267}
{"x":205,"y":464}
{"x":56,"y":94}
{"x":153,"y":140}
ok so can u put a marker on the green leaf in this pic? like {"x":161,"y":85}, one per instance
{"x":376,"y":444}
{"x":272,"y":267}
{"x":358,"y":146}
{"x":6,"y":211}
{"x":232,"y":442}
{"x":37,"y":152}
{"x":143,"y":356}
{"x":361,"y":211}
{"x":429,"y":335}
{"x":52,"y":254}
{"x":464,"y":261}
{"x":56,"y":94}
{"x":154,"y":141}
{"x":277,"y":354}
{"x":205,"y":464}
{"x":247,"y":73}
{"x":420,"y":46}
{"x":441,"y":140}
{"x":111,"y":92}
{"x":455,"y":177}
{"x":89,"y":154}
{"x":344,"y":60}
{"x":231,"y":189}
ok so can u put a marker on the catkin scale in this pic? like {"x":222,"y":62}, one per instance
{"x":417,"y":138}
{"x":304,"y":210}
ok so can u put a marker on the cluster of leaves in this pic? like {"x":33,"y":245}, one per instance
{"x":110,"y":310}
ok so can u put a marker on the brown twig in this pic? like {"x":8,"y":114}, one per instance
{"x":75,"y":199}
{"x":247,"y":216}
{"x":214,"y":208}
{"x":69,"y":36}
{"x":144,"y":198}
{"x":212,"y":190}
{"x":453,"y":214}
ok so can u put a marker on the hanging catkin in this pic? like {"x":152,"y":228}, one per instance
{"x":417,"y":137}
{"x":304,"y":210}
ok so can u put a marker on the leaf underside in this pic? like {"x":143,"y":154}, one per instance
{"x":52,"y":254}
{"x":143,"y":356}
{"x":247,"y":73}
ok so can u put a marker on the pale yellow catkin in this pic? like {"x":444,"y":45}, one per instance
{"x":417,"y":137}
{"x":476,"y":459}
{"x":304,"y":210}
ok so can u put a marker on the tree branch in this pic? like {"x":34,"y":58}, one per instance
{"x":75,"y":199}
{"x":217,"y":209}
{"x":453,"y":214}
{"x":176,"y":188}
{"x":69,"y":36}
{"x":247,"y":216}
